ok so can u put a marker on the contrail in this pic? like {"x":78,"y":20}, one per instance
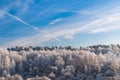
{"x":20,"y":20}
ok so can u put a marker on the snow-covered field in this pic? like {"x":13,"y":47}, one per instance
{"x":98,"y":62}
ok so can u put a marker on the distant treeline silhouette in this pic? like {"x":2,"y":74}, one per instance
{"x":95,"y":48}
{"x":38,"y":48}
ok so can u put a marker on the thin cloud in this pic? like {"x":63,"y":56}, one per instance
{"x":93,"y":26}
{"x":55,"y":21}
{"x":1,"y":14}
{"x":105,"y":29}
{"x":109,"y":23}
{"x":18,"y":19}
{"x":39,"y":39}
{"x":57,"y":39}
{"x":68,"y":36}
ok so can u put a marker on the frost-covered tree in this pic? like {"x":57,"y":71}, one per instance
{"x":98,"y":62}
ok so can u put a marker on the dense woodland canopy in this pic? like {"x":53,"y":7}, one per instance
{"x":98,"y":62}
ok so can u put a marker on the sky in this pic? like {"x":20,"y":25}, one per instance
{"x":59,"y":22}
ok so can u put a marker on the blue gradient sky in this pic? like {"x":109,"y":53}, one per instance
{"x":59,"y":22}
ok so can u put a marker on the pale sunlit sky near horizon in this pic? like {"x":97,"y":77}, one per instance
{"x":59,"y":22}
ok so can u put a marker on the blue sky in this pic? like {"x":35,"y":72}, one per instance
{"x":59,"y":22}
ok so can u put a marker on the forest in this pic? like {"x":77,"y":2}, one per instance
{"x":97,"y":62}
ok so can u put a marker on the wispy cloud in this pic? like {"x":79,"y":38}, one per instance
{"x":100,"y":22}
{"x":1,"y":14}
{"x":18,"y":19}
{"x":108,"y":23}
{"x":56,"y":20}
{"x":57,"y":39}
{"x":68,"y":36}
{"x":105,"y":29}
